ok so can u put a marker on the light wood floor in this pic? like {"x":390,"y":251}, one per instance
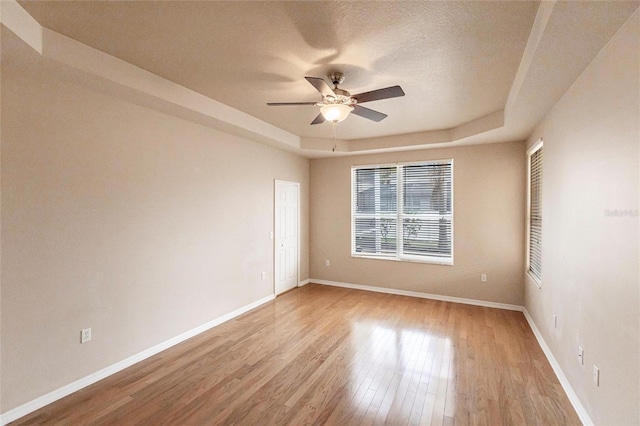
{"x":324,"y":355}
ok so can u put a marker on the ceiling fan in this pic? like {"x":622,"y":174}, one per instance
{"x":337,"y":104}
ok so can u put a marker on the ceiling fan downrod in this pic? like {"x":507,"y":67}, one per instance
{"x":336,"y":78}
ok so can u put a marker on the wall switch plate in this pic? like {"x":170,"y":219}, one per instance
{"x":85,"y":335}
{"x":327,"y":263}
{"x":263,"y":275}
{"x":271,"y":235}
{"x":580,"y":355}
{"x":483,"y":278}
{"x":596,"y":375}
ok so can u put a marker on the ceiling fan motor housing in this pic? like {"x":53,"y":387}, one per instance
{"x":341,"y":96}
{"x":336,"y":78}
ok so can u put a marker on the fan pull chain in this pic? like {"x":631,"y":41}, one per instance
{"x":334,"y":135}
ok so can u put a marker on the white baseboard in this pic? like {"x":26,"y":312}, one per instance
{"x":421,"y":295}
{"x":305,"y":282}
{"x":40,"y":402}
{"x":573,"y":397}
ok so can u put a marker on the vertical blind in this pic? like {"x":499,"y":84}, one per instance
{"x":403,"y":211}
{"x":535,"y":215}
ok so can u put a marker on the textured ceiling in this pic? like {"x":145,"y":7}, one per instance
{"x":473,"y":71}
{"x":456,"y":61}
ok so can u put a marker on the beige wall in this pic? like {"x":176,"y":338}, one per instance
{"x":590,"y":261}
{"x":489,"y":188}
{"x":116,"y":217}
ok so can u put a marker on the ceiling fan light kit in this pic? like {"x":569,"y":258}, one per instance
{"x":335,"y":112}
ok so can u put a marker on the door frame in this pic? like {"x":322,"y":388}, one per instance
{"x":275,"y":234}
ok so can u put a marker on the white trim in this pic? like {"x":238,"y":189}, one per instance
{"x":303,"y":283}
{"x":432,"y":260}
{"x":535,"y":147}
{"x":275,"y":237}
{"x":533,"y":279}
{"x":398,"y":217}
{"x":402,"y":163}
{"x":57,"y":394}
{"x":573,"y":397}
{"x":453,"y":299}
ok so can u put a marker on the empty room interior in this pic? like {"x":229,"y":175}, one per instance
{"x":320,"y":212}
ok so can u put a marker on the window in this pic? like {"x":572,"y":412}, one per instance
{"x":534,"y":213}
{"x":403,"y":211}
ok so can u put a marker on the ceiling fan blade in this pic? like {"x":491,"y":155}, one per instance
{"x":321,"y":86}
{"x":375,"y":95}
{"x":319,"y":119}
{"x":368,"y":113}
{"x":290,"y":103}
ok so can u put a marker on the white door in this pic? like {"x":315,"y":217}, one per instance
{"x":287,"y":205}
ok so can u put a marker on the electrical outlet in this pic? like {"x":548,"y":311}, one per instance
{"x":580,"y":355}
{"x":327,"y":263}
{"x":264,"y":275}
{"x":271,"y":235}
{"x":555,"y":321}
{"x":596,"y":375}
{"x":85,"y":335}
{"x":483,"y":278}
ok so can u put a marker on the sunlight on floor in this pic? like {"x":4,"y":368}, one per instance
{"x":395,"y":367}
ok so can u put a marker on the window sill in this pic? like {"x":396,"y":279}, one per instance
{"x":431,"y":260}
{"x":534,"y":280}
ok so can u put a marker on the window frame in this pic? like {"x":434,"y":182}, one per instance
{"x":530,"y":152}
{"x":398,"y":256}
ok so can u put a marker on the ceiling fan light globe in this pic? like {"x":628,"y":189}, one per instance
{"x":335,"y":112}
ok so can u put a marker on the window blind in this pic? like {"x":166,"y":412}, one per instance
{"x":403,"y":211}
{"x":535,"y":214}
{"x":375,"y":211}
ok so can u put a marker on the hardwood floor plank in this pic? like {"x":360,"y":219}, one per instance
{"x":325,"y":355}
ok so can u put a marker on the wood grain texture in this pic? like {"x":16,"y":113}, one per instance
{"x":326,"y":355}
